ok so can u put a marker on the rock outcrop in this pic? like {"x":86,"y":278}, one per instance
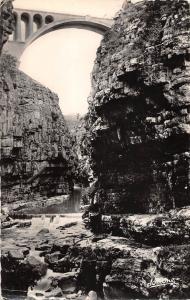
{"x":127,"y":267}
{"x":19,"y":270}
{"x":139,"y":110}
{"x":37,"y":157}
{"x":118,"y":268}
{"x":139,"y":148}
{"x":36,"y":148}
{"x":139,"y":120}
{"x":6,"y":21}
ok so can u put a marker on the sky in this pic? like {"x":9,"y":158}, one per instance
{"x":63,"y":59}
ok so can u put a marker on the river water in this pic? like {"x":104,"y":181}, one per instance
{"x":69,"y":205}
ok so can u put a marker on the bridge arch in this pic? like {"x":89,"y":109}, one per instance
{"x":31,"y":25}
{"x":71,"y":23}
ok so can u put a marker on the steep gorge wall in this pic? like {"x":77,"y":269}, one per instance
{"x":139,"y":110}
{"x":37,"y":157}
{"x":36,"y":148}
{"x":139,"y":147}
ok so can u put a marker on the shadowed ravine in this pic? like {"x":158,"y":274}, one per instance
{"x":130,"y":154}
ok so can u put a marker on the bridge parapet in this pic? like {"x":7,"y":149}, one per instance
{"x":29,"y":22}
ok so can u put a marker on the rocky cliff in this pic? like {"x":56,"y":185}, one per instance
{"x":138,"y":141}
{"x":6,"y":21}
{"x":139,"y":110}
{"x":139,"y":146}
{"x":37,"y":159}
{"x":36,"y":148}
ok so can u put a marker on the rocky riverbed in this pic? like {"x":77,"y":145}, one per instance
{"x":55,"y":255}
{"x":28,"y":235}
{"x":133,"y":241}
{"x":25,"y":251}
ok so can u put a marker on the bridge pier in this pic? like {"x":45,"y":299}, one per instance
{"x":18,"y":32}
{"x":29,"y":27}
{"x":43,"y":22}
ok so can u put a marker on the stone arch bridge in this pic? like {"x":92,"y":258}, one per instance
{"x":32,"y":24}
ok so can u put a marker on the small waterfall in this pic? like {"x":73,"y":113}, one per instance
{"x":50,"y":217}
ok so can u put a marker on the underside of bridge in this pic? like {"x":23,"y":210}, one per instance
{"x":30,"y":25}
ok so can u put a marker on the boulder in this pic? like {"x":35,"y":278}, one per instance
{"x":57,"y":292}
{"x":160,"y":229}
{"x":20,"y":272}
{"x":63,"y":245}
{"x":8,"y":224}
{"x":72,"y":296}
{"x":23,"y":224}
{"x":16,"y":254}
{"x":63,"y":227}
{"x":43,"y":231}
{"x":45,"y":247}
{"x":53,"y":260}
{"x":67,"y":282}
{"x":36,"y":266}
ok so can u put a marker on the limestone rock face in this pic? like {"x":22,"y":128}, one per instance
{"x":139,"y":110}
{"x":118,"y":268}
{"x":36,"y":148}
{"x":139,"y":120}
{"x":6,"y":21}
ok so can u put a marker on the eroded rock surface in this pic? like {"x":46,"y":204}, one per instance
{"x":6,"y":21}
{"x":139,"y":146}
{"x":139,"y":110}
{"x":118,"y":268}
{"x":37,"y":157}
{"x":115,"y":267}
{"x":36,"y":148}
